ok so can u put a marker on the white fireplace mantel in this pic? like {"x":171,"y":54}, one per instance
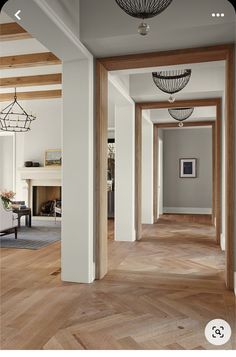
{"x":38,"y":176}
{"x":40,"y":173}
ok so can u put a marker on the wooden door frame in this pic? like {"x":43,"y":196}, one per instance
{"x":215,"y":125}
{"x":156,"y":59}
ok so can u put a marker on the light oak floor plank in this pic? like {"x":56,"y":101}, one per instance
{"x":159,"y":293}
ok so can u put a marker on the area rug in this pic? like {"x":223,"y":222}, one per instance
{"x":33,"y":238}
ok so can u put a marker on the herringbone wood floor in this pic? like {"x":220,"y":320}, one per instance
{"x":159,"y":294}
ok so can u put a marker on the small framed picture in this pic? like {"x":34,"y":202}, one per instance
{"x":53,"y":157}
{"x":188,"y":168}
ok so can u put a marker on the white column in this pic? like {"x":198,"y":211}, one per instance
{"x":147,"y":171}
{"x":160,"y":173}
{"x":78,"y":205}
{"x":223,"y":177}
{"x":124,"y":173}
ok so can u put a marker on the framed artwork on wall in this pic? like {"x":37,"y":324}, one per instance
{"x":187,"y":168}
{"x":53,"y":157}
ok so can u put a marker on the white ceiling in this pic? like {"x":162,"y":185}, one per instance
{"x":11,"y":48}
{"x":4,"y":19}
{"x":26,"y":46}
{"x":106,"y":30}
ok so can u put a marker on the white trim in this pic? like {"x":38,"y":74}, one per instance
{"x":187,"y":127}
{"x":187,"y":210}
{"x":132,"y":237}
{"x":194,"y":169}
{"x":146,"y":116}
{"x":120,"y":89}
{"x":57,"y":21}
{"x":41,"y":173}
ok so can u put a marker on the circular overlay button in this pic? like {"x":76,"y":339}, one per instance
{"x":218,"y":332}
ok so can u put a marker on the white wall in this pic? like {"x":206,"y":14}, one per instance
{"x":124,"y":173}
{"x":46,"y":129}
{"x":147,"y":171}
{"x":45,"y":134}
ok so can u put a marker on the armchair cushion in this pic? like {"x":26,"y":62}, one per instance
{"x":8,"y":219}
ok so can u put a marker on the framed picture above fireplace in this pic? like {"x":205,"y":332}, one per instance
{"x":53,"y":157}
{"x":188,"y":168}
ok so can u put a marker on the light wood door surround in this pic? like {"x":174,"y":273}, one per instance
{"x":216,"y":158}
{"x":101,"y":169}
{"x":157,"y":59}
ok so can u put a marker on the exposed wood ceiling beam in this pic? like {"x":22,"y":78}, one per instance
{"x":47,"y":94}
{"x":29,"y":60}
{"x":181,"y":103}
{"x":186,"y":124}
{"x":167,"y":58}
{"x":12,"y":31}
{"x":39,"y":80}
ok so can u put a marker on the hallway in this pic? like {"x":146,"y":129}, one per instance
{"x":159,"y":294}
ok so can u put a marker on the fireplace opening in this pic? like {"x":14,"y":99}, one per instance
{"x":45,"y":198}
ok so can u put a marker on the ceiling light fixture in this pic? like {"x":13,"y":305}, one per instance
{"x":172,"y":81}
{"x":181,"y":114}
{"x":14,"y":118}
{"x":143,"y":9}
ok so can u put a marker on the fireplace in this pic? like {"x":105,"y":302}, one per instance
{"x":41,"y":185}
{"x":44,"y":199}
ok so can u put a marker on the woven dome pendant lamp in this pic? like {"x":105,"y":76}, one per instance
{"x":181,"y":114}
{"x":14,"y":118}
{"x":172,"y":81}
{"x":143,"y":9}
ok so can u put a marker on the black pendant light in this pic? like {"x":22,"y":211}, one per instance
{"x":14,"y":118}
{"x":172,"y":81}
{"x":181,"y":114}
{"x":143,"y":9}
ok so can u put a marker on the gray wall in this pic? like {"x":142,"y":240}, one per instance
{"x":188,"y":192}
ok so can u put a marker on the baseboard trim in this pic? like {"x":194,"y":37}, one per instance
{"x":187,"y":210}
{"x":123,"y":238}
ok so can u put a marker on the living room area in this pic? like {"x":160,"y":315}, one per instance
{"x":30,"y":144}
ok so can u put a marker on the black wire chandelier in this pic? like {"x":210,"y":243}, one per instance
{"x":143,"y":9}
{"x":181,"y":114}
{"x":172,"y":81}
{"x":14,"y":118}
